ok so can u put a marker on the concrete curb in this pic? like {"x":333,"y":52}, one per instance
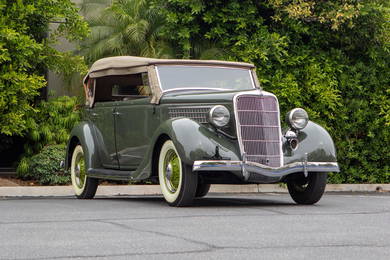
{"x":123,"y":190}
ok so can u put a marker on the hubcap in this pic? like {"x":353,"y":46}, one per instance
{"x":172,"y":171}
{"x":80,"y":171}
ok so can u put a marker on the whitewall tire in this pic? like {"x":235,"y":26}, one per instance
{"x":177,"y":181}
{"x":83,"y":186}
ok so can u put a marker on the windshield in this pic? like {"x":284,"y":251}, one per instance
{"x":204,"y":78}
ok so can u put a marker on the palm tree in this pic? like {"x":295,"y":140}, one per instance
{"x":126,"y":27}
{"x":133,"y":27}
{"x":91,"y":8}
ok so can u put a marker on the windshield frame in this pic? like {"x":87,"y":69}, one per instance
{"x":210,"y":66}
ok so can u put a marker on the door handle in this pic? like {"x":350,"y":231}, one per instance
{"x":94,"y":114}
{"x":116,"y":113}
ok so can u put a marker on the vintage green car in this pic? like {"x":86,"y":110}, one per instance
{"x":187,"y":124}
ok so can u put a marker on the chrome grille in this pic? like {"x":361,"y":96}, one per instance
{"x":198,"y":114}
{"x":259,"y":128}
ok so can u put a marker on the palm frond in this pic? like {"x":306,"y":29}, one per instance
{"x":126,"y":27}
{"x":86,"y":6}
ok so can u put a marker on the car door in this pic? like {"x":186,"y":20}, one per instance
{"x":102,"y":116}
{"x":133,"y":119}
{"x":134,"y":129}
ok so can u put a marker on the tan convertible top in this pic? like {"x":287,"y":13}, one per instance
{"x":124,"y":62}
{"x":123,"y":65}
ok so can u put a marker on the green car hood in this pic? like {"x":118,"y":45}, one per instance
{"x":200,"y":97}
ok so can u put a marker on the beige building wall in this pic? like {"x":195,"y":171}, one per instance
{"x":57,"y":84}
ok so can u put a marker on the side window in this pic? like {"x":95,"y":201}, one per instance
{"x":122,"y":87}
{"x":89,"y":92}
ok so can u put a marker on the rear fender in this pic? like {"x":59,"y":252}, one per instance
{"x":83,"y":134}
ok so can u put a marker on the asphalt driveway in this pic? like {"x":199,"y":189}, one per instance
{"x":265,"y":226}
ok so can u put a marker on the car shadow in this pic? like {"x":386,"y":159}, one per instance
{"x":208,"y":201}
{"x":239,"y":202}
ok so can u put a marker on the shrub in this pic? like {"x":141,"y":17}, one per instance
{"x":51,"y":123}
{"x":44,"y":167}
{"x":45,"y":141}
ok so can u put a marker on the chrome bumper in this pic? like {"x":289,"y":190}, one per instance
{"x":256,"y":168}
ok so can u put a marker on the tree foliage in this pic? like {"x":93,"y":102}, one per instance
{"x":126,"y":27}
{"x":26,"y":51}
{"x":133,"y":27}
{"x":329,"y":57}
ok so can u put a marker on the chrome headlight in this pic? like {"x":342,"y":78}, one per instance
{"x":219,"y":116}
{"x":297,"y":118}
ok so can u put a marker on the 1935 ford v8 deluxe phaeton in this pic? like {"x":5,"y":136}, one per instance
{"x":187,"y":124}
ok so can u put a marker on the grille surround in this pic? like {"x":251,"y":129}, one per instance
{"x":258,"y":128}
{"x":196,"y":113}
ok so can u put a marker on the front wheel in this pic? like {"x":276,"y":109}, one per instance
{"x":177,"y":181}
{"x":307,"y":190}
{"x":83,"y":186}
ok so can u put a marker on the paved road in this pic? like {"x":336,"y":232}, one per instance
{"x":266,"y":226}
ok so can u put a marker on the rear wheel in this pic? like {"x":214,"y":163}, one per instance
{"x":177,"y":181}
{"x":307,"y":190}
{"x":83,"y":186}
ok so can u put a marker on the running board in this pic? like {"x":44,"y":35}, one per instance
{"x":110,"y":174}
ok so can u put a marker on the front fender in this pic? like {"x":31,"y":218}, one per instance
{"x":195,"y":141}
{"x":315,"y":145}
{"x":82,"y":134}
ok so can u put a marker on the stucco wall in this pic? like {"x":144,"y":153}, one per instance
{"x":57,"y":85}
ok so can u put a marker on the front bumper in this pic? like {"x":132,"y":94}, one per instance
{"x":251,"y":168}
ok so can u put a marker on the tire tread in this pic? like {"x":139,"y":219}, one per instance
{"x":91,"y":186}
{"x":313,"y":192}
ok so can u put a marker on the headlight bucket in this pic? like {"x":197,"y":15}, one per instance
{"x":219,"y":116}
{"x":297,"y":118}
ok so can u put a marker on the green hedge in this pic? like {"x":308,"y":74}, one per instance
{"x":330,"y":57}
